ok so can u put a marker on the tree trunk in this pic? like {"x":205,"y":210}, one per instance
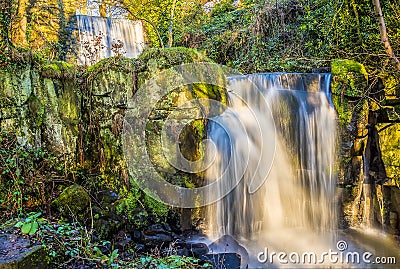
{"x":171,"y":23}
{"x":19,"y":25}
{"x":103,"y":10}
{"x":384,"y":36}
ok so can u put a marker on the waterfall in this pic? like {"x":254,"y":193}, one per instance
{"x":97,"y":36}
{"x":277,"y":145}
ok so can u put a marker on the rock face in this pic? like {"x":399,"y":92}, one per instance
{"x":41,"y":106}
{"x":77,"y":114}
{"x":368,"y":172}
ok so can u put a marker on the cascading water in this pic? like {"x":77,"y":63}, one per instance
{"x":284,"y":155}
{"x":108,"y":31}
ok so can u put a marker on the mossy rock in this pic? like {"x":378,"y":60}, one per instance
{"x":182,"y":100}
{"x":58,"y":70}
{"x":27,"y":258}
{"x":73,"y":200}
{"x":350,"y":81}
{"x":164,"y":58}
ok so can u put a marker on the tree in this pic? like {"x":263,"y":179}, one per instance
{"x":5,"y":20}
{"x":383,"y":33}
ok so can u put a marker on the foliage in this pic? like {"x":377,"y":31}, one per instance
{"x":140,"y":209}
{"x":172,"y":261}
{"x":68,"y":244}
{"x":26,"y":176}
{"x":259,"y":36}
{"x":30,"y":225}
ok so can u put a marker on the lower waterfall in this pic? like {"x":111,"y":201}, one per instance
{"x":275,"y":149}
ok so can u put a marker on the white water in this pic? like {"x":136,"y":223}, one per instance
{"x":289,"y":140}
{"x":110,"y":31}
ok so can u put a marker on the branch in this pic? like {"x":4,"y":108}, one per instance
{"x":149,"y":22}
{"x":384,"y":36}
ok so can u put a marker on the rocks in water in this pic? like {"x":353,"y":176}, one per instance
{"x":18,"y":253}
{"x":73,"y":200}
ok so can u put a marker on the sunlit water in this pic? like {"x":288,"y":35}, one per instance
{"x":280,"y":141}
{"x":109,"y":32}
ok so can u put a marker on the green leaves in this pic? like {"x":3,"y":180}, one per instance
{"x":169,"y":262}
{"x":30,"y":228}
{"x":30,"y":225}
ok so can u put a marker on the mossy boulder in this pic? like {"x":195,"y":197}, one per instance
{"x":58,"y":70}
{"x":72,"y":201}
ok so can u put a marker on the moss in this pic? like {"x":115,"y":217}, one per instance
{"x":349,"y":81}
{"x":154,"y":60}
{"x":58,"y":70}
{"x":73,"y":200}
{"x":36,"y":108}
{"x":136,"y":207}
{"x":116,"y":63}
{"x":151,"y":63}
{"x":389,"y":139}
{"x":342,"y":66}
{"x":34,"y":257}
{"x":158,"y":58}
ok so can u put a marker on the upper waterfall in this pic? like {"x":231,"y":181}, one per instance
{"x":100,"y":38}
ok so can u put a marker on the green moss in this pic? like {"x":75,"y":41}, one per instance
{"x":389,"y":139}
{"x":116,"y":63}
{"x":341,"y":67}
{"x":349,"y":81}
{"x":58,"y":70}
{"x":37,"y":110}
{"x":73,"y":200}
{"x":158,"y":58}
{"x":136,"y":206}
{"x":188,"y":183}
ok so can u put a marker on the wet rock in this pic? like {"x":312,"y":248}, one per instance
{"x":17,"y":253}
{"x":137,"y":235}
{"x":157,"y":235}
{"x":123,"y":240}
{"x":157,"y":240}
{"x":191,"y":249}
{"x":227,"y":244}
{"x":155,"y":229}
